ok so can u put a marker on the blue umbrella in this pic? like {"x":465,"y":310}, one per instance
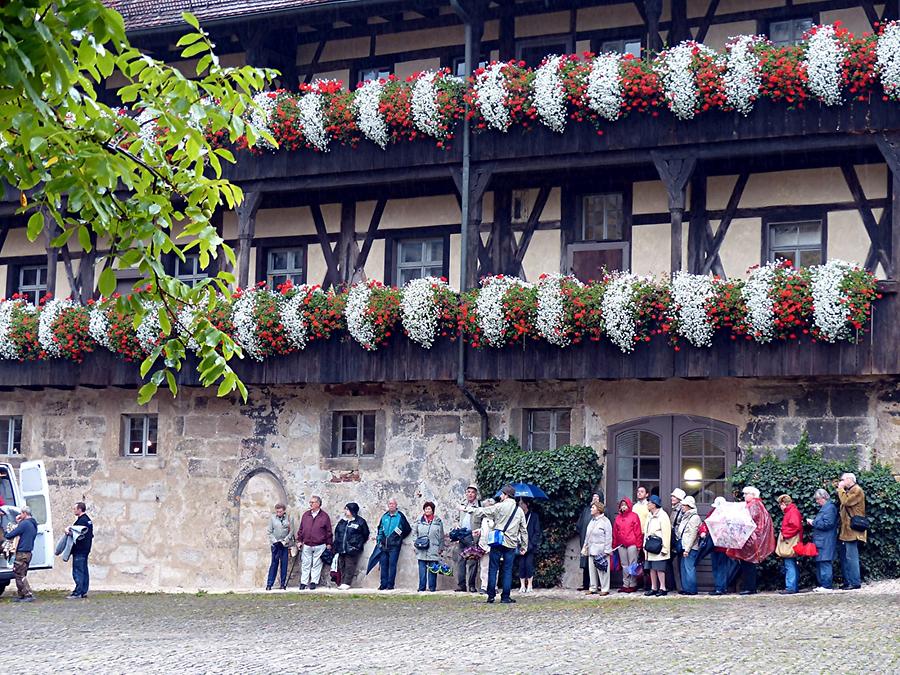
{"x":528,"y":490}
{"x":374,"y":559}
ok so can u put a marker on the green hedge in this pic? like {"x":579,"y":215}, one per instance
{"x":568,"y":475}
{"x":799,"y":475}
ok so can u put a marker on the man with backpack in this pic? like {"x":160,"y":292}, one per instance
{"x":510,"y":535}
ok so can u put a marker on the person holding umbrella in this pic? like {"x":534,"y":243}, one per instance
{"x":535,"y":537}
{"x":722,"y":565}
{"x":759,"y":545}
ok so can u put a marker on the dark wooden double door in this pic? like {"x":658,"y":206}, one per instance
{"x":662,"y":453}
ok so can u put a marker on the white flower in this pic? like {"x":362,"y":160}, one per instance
{"x":757,"y":293}
{"x":311,"y":115}
{"x":8,"y":348}
{"x":678,"y":80}
{"x":366,"y":102}
{"x":491,"y":95}
{"x":830,"y":309}
{"x":489,"y":308}
{"x":604,"y":87}
{"x":742,"y":74}
{"x":424,"y":107}
{"x":887,"y":63}
{"x":149,"y":330}
{"x":261,"y":117}
{"x":359,"y":321}
{"x":550,"y":94}
{"x":186,"y":318}
{"x":98,"y":326}
{"x":824,"y":60}
{"x":50,"y":312}
{"x":691,"y":293}
{"x":419,"y":313}
{"x":619,"y":309}
{"x":551,"y":310}
{"x":148,"y":130}
{"x":293,"y":315}
{"x":245,"y":326}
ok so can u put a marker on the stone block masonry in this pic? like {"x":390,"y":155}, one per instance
{"x":184,"y":518}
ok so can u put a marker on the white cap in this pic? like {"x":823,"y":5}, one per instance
{"x":689,"y":502}
{"x":679,"y":494}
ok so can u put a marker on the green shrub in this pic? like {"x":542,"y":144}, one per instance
{"x":799,"y":475}
{"x":568,"y":475}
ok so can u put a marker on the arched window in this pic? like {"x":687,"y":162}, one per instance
{"x":665,"y":452}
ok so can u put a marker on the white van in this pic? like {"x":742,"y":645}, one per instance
{"x":31,"y":490}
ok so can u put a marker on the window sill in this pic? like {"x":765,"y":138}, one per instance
{"x":350,"y":463}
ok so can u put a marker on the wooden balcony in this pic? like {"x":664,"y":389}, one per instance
{"x":336,"y":361}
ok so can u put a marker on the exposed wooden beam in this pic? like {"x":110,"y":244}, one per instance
{"x":533,"y":219}
{"x":675,"y":171}
{"x":246,"y":229}
{"x":697,"y":224}
{"x":477,"y":251}
{"x":872,"y":15}
{"x":374,"y":222}
{"x":51,"y":230}
{"x":703,"y":29}
{"x":712,"y":252}
{"x":315,"y":61}
{"x":333,"y":273}
{"x":347,"y":250}
{"x":4,"y":230}
{"x":868,"y":220}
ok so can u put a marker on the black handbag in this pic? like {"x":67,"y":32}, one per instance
{"x":859,"y":523}
{"x":654,"y":544}
{"x":327,"y":556}
{"x":423,"y":543}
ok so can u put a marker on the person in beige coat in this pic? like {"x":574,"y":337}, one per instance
{"x":853,"y":503}
{"x":658,"y":525}
{"x":487,"y":526}
{"x":598,"y":545}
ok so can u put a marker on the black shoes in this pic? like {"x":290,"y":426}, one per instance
{"x":459,"y":590}
{"x":748,"y":593}
{"x":302,"y":587}
{"x":649,"y":593}
{"x":268,"y":588}
{"x":507,"y":601}
{"x":312,"y":587}
{"x":490,"y":601}
{"x":661,"y":594}
{"x":715,"y":593}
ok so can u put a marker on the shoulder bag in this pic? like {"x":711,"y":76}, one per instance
{"x":497,"y":535}
{"x":423,"y":543}
{"x":785,"y":547}
{"x":859,"y":523}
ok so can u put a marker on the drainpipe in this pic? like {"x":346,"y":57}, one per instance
{"x":470,"y":20}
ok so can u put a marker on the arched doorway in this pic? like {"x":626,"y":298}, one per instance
{"x":669,"y":451}
{"x":256,"y":500}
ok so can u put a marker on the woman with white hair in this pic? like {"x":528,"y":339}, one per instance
{"x":824,"y":536}
{"x":759,"y":546}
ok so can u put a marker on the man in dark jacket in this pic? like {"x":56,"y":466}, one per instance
{"x":350,"y":537}
{"x":315,"y":535}
{"x":393,"y":528}
{"x":824,"y":536}
{"x":26,"y":530}
{"x":80,"y":551}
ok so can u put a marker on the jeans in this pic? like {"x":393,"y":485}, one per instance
{"x":426,"y":575}
{"x":748,"y":576}
{"x":279,"y":558}
{"x":500,"y":555}
{"x":850,"y":563}
{"x":791,"y":575}
{"x":389,"y":567}
{"x":825,"y":573}
{"x":311,"y":564}
{"x":80,"y":574}
{"x":689,"y":572}
{"x":723,"y":567}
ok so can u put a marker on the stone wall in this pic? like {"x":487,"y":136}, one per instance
{"x":194,"y":516}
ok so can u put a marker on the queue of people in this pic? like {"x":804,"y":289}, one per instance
{"x":661,"y":548}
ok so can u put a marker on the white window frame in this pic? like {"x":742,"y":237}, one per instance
{"x":582,"y":225}
{"x":8,"y":448}
{"x":197,"y":273}
{"x":773,"y":252}
{"x":621,"y":46}
{"x":36,"y":291}
{"x":381,"y":69}
{"x":796,"y":34}
{"x":149,"y":448}
{"x":297,"y":271}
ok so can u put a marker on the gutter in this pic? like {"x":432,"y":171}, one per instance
{"x":465,"y":207}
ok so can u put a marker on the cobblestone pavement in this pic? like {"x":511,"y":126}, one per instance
{"x":547,"y":632}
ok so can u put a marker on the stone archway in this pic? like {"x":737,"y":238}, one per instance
{"x":254,"y":492}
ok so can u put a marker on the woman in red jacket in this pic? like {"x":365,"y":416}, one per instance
{"x":791,"y":531}
{"x":629,"y":537}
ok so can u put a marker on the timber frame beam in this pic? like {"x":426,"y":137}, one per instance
{"x":675,"y":171}
{"x":889,"y":145}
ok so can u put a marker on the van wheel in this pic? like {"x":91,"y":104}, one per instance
{"x":3,"y":584}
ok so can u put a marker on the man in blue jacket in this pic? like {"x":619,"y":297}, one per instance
{"x":80,"y":552}
{"x":825,"y":538}
{"x":26,"y":530}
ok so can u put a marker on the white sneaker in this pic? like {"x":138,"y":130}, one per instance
{"x":822,"y":589}
{"x":344,"y":587}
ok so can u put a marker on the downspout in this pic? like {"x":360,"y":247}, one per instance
{"x":469,"y":20}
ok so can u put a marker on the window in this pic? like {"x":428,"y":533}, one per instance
{"x":284,"y":264}
{"x":548,"y":429}
{"x":602,"y":217}
{"x":799,"y":242}
{"x":418,"y":258}
{"x":10,"y":435}
{"x":703,"y":464}
{"x":32,"y":282}
{"x":374,"y":73}
{"x":790,"y":31}
{"x":189,"y":271}
{"x":459,"y":65}
{"x":139,"y":435}
{"x":533,"y":51}
{"x":628,"y":46}
{"x":637,"y":462}
{"x":354,"y":434}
